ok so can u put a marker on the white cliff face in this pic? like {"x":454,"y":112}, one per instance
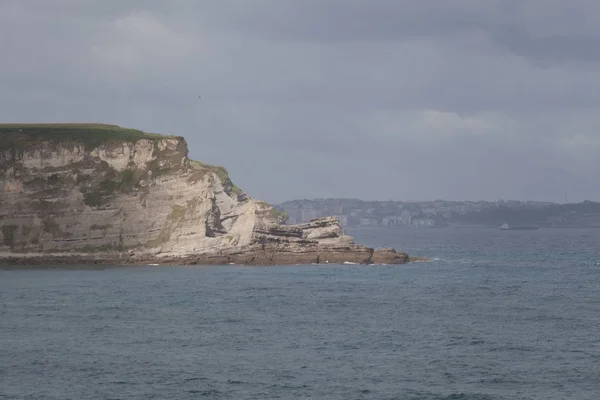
{"x":52,"y":156}
{"x":144,"y":197}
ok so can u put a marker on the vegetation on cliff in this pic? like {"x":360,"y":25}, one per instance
{"x":202,"y":169}
{"x":16,"y":136}
{"x":275,"y":214}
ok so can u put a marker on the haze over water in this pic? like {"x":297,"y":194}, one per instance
{"x":496,"y":315}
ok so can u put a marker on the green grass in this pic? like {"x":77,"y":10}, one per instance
{"x":92,"y":199}
{"x":273,"y":212}
{"x":16,"y":136}
{"x":114,"y":182}
{"x":9,"y":233}
{"x":127,"y":180}
{"x":96,"y":227}
{"x":162,"y":238}
{"x":229,"y":187}
{"x":177,"y":212}
{"x":279,"y":215}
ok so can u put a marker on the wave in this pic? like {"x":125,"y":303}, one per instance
{"x":447,"y":260}
{"x":454,"y":396}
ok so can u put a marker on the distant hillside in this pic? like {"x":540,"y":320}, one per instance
{"x":586,"y":214}
{"x":354,"y":212}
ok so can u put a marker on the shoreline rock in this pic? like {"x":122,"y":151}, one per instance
{"x":276,"y":247}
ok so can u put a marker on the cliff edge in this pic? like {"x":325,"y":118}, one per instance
{"x":94,"y":193}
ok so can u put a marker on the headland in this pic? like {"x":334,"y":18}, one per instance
{"x":96,"y":193}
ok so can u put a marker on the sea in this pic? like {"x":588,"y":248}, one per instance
{"x":494,"y":315}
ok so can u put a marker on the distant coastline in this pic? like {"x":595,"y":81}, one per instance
{"x":354,"y":213}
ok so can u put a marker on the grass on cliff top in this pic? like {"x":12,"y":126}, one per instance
{"x":276,"y":214}
{"x":221,"y":172}
{"x":91,"y":135}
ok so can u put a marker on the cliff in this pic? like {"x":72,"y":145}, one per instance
{"x":80,"y":193}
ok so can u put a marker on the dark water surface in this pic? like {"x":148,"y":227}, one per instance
{"x":496,"y":315}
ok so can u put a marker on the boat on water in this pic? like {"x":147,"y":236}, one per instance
{"x":507,"y":227}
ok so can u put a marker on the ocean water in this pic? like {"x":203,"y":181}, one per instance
{"x":495,"y":315}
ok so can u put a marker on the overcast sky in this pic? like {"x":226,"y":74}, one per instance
{"x":372,"y":99}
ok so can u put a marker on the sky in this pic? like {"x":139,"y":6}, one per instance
{"x":373,"y":99}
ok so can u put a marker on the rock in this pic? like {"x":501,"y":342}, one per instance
{"x":388,"y":256}
{"x":418,"y":259}
{"x":140,"y":199}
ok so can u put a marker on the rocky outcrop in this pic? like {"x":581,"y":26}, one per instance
{"x":139,"y":199}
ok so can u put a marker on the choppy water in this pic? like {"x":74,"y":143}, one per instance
{"x":497,"y":315}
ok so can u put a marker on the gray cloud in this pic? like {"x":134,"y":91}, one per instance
{"x":381,"y":99}
{"x":550,"y":49}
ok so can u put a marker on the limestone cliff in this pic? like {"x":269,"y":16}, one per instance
{"x":100,"y":193}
